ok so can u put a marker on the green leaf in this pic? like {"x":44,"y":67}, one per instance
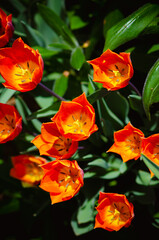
{"x":77,"y":58}
{"x":151,"y":165}
{"x":136,"y":103}
{"x":143,"y":178}
{"x":6,"y":95}
{"x":75,"y":21}
{"x":80,"y":229}
{"x":111,"y":19}
{"x":45,"y":112}
{"x":129,"y":28}
{"x":57,"y":24}
{"x":98,"y":94}
{"x":34,"y":37}
{"x":61,"y":85}
{"x":151,"y":88}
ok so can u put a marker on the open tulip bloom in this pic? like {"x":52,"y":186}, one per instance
{"x":114,"y":212}
{"x":112,"y":70}
{"x":128,"y":143}
{"x":151,"y":149}
{"x":27,"y":168}
{"x":21,"y":66}
{"x":76,"y":119}
{"x":51,"y":143}
{"x":62,"y":179}
{"x":6,"y":28}
{"x":10,"y":123}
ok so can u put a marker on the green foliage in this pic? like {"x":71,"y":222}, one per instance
{"x":67,"y":34}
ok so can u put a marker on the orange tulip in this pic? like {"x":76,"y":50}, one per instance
{"x":21,"y":66}
{"x":128,"y":143}
{"x":27,"y":168}
{"x":76,"y":119}
{"x":151,"y":149}
{"x":114,"y":212}
{"x":112,"y":70}
{"x":10,"y":123}
{"x":50,"y":142}
{"x":6,"y":28}
{"x":62,"y":179}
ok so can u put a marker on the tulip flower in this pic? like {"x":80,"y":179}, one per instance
{"x":27,"y":169}
{"x":128,"y":143}
{"x":10,"y":123}
{"x":21,"y":66}
{"x":114,"y":212}
{"x":76,"y":119}
{"x":151,"y":149}
{"x":62,"y":179}
{"x":113,"y":70}
{"x":51,"y":143}
{"x":6,"y":28}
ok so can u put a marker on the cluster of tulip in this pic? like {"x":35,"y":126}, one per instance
{"x":22,"y":69}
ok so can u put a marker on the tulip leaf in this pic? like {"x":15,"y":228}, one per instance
{"x":151,"y":88}
{"x":45,"y":112}
{"x":57,"y":24}
{"x":6,"y":94}
{"x":129,"y":28}
{"x":77,"y":58}
{"x":151,"y":165}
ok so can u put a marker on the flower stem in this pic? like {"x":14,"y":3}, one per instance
{"x":51,"y":92}
{"x":135,"y":89}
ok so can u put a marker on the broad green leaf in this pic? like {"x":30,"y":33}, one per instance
{"x":118,"y":105}
{"x":61,"y":85}
{"x":76,"y":22}
{"x":80,"y":229}
{"x":6,"y":94}
{"x":45,"y":112}
{"x":34,"y":37}
{"x":151,"y":165}
{"x":85,"y":212}
{"x":129,"y":28}
{"x":98,"y":94}
{"x":24,"y":111}
{"x":57,"y":24}
{"x":111,"y":19}
{"x":143,"y":178}
{"x":77,"y":58}
{"x":45,"y":53}
{"x":151,"y":88}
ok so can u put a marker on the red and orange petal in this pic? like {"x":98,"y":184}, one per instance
{"x":10,"y":123}
{"x":128,"y":143}
{"x":113,"y":70}
{"x":27,"y":168}
{"x":51,"y":143}
{"x":114,"y":212}
{"x":21,"y":66}
{"x":62,"y":179}
{"x":76,"y":119}
{"x":6,"y":28}
{"x":151,"y":149}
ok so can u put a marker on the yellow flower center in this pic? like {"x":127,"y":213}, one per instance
{"x":118,"y":213}
{"x":62,"y":145}
{"x":68,"y":177}
{"x":77,"y":124}
{"x":133,"y":142}
{"x":7,"y":125}
{"x":34,"y":172}
{"x":24,"y":71}
{"x":117,"y":72}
